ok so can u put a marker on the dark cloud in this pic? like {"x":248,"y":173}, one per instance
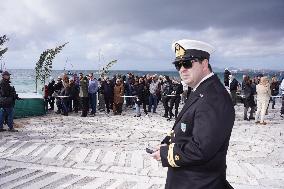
{"x":141,"y":31}
{"x":180,"y":14}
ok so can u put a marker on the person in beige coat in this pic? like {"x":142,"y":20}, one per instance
{"x":118,"y":100}
{"x":263,"y":95}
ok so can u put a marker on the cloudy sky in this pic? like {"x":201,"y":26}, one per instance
{"x":245,"y":33}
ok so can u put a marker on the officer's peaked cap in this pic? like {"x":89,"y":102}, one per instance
{"x":186,"y":48}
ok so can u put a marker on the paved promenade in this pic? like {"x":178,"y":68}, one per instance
{"x":108,"y":152}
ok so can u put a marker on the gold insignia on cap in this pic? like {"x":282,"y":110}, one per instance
{"x":179,"y":50}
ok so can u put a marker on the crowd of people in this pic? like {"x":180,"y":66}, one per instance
{"x":85,"y":93}
{"x":256,"y":94}
{"x":89,"y":94}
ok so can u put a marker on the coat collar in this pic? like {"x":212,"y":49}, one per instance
{"x":195,"y":95}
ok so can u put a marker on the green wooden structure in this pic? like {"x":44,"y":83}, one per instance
{"x":30,"y":105}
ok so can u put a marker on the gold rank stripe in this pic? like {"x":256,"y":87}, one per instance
{"x":170,"y":133}
{"x":170,"y":156}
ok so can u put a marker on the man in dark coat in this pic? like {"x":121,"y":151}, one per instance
{"x":108,"y":88}
{"x":57,"y":89}
{"x":50,"y":91}
{"x":233,"y":85}
{"x":227,"y":73}
{"x":195,"y":150}
{"x":249,"y":102}
{"x":167,"y":89}
{"x":175,"y":99}
{"x":8,"y":96}
{"x":74,"y":96}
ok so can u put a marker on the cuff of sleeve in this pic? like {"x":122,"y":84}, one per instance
{"x":167,"y":156}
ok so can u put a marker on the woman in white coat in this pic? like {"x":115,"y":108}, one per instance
{"x":263,"y":94}
{"x":281,"y":92}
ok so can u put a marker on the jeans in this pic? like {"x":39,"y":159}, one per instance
{"x":137,"y":109}
{"x":10,"y":113}
{"x":93,"y":101}
{"x":101,"y":102}
{"x":153,"y":99}
{"x":65,"y":105}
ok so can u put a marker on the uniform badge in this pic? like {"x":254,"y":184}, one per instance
{"x":183,"y":127}
{"x":176,"y":157}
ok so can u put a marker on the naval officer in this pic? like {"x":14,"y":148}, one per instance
{"x":195,"y":149}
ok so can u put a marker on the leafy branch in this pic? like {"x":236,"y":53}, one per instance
{"x":3,"y":39}
{"x":105,"y":70}
{"x":44,"y":64}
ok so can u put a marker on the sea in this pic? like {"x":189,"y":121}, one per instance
{"x":24,"y":79}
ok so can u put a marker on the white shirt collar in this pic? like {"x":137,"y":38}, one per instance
{"x":204,"y":78}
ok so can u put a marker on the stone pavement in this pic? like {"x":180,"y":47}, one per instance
{"x":108,"y":152}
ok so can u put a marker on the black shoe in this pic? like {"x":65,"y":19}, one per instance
{"x":58,"y":112}
{"x":251,"y":118}
{"x":246,"y":119}
{"x":12,"y":130}
{"x":166,"y":116}
{"x":137,"y":115}
{"x":2,"y":130}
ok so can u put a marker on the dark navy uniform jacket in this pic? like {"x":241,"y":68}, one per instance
{"x":198,"y":143}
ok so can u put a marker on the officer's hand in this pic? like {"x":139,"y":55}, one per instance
{"x":156,"y":155}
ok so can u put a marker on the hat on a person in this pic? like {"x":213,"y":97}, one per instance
{"x":6,"y":73}
{"x":190,"y":49}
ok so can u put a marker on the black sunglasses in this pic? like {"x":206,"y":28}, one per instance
{"x":187,"y":64}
